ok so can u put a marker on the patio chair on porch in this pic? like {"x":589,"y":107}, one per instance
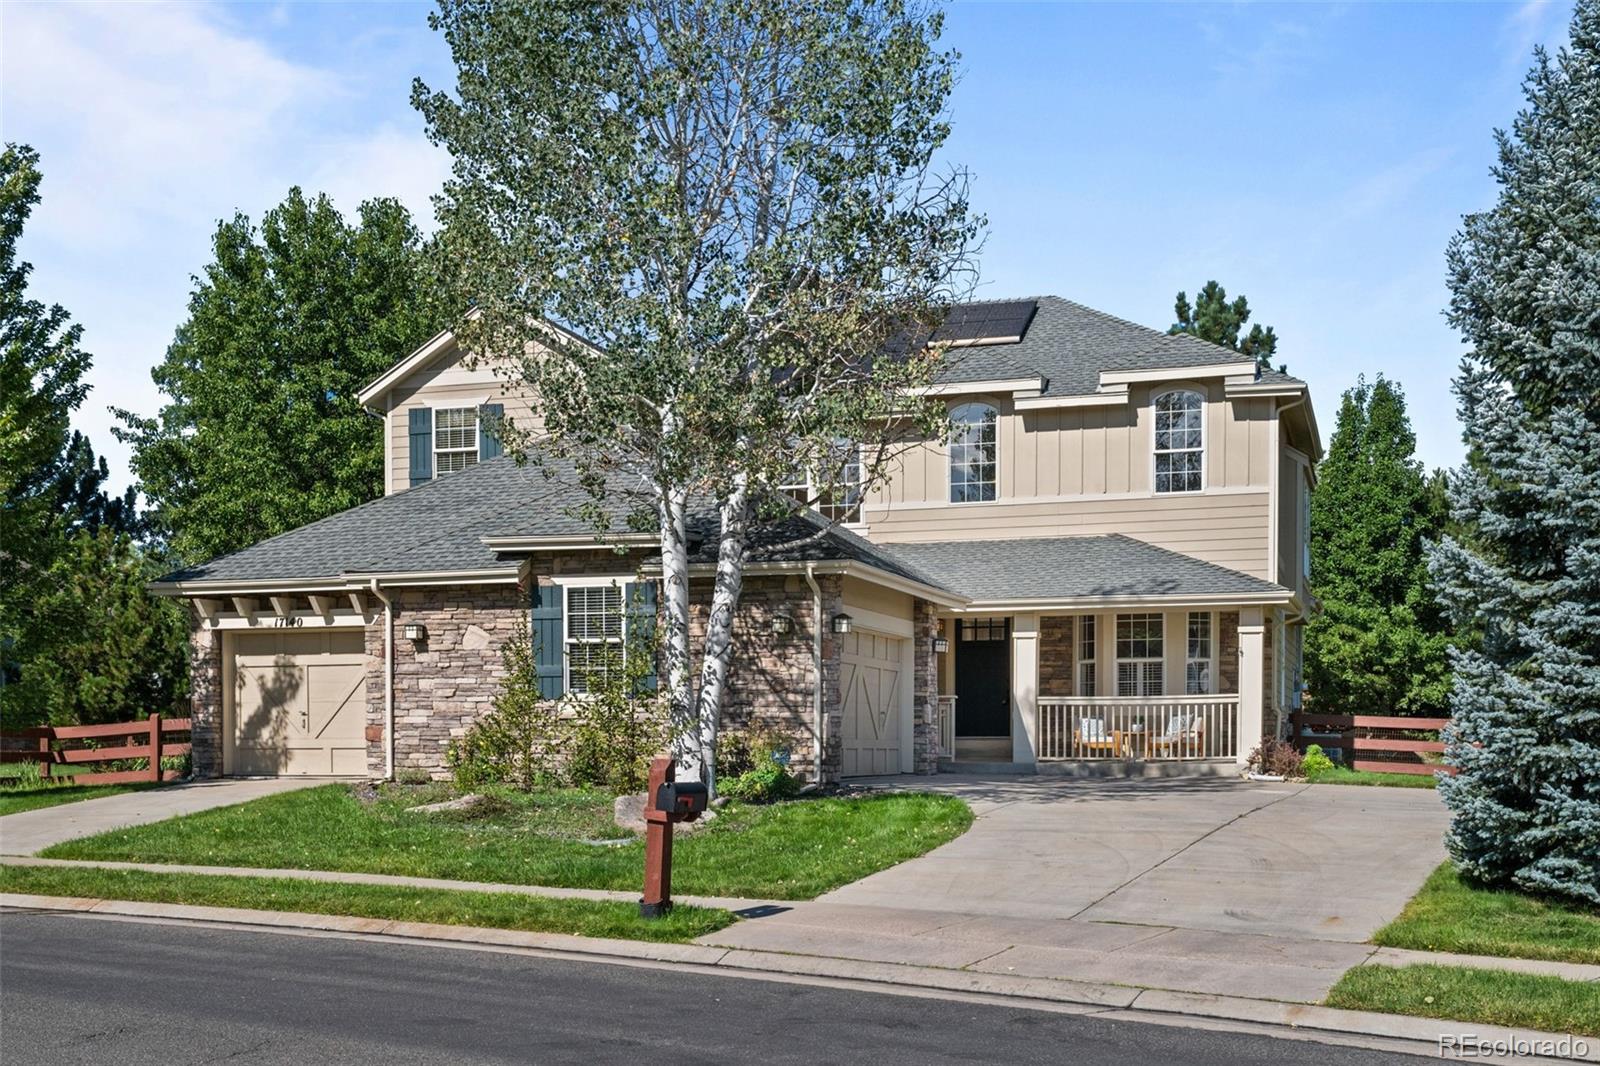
{"x":1091,"y":740}
{"x":1184,"y":737}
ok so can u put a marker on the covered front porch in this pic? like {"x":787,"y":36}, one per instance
{"x":1118,"y":689}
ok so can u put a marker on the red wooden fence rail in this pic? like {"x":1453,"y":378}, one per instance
{"x":1351,"y":733}
{"x":138,"y":740}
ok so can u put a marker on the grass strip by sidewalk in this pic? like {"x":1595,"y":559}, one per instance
{"x":496,"y":910}
{"x":1460,"y":993}
{"x":1450,"y":914}
{"x":792,"y":850}
{"x":1343,"y":775}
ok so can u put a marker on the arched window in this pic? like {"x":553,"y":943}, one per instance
{"x":1180,"y":448}
{"x":974,"y":455}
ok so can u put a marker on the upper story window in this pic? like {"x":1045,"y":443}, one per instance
{"x":836,"y":495}
{"x":1180,"y":447}
{"x":974,"y":454}
{"x":455,"y":438}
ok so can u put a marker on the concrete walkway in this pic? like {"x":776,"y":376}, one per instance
{"x":30,"y":832}
{"x":1322,"y":862}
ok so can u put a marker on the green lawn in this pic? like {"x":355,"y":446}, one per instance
{"x":793,"y":850}
{"x":498,"y":910}
{"x":1450,"y":914}
{"x":1343,"y":775}
{"x":1493,"y":997}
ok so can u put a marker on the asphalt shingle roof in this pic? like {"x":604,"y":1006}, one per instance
{"x":1069,"y":345}
{"x":1112,"y":566}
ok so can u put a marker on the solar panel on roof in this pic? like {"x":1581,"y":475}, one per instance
{"x":1001,"y":322}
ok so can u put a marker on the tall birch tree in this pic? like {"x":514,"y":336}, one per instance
{"x":710,"y":236}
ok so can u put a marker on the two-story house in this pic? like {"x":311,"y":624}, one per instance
{"x":1104,"y":563}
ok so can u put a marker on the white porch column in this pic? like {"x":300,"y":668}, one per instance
{"x":1024,"y":686}
{"x":1252,"y":691}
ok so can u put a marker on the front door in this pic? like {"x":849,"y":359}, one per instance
{"x":983,"y":677}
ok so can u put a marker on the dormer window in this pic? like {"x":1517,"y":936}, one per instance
{"x":974,"y":454}
{"x":455,"y":438}
{"x":1180,"y":444}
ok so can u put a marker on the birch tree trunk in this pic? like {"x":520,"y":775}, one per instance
{"x":719,"y":625}
{"x":673,"y":506}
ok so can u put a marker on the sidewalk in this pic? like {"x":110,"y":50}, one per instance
{"x":30,"y":832}
{"x":1104,"y":999}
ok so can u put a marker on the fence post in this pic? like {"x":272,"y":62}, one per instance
{"x":44,"y":753}
{"x":155,"y":748}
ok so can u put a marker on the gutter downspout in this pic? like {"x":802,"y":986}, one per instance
{"x":816,"y":665}
{"x":388,"y":680}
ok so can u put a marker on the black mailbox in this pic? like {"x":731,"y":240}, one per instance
{"x":681,"y":800}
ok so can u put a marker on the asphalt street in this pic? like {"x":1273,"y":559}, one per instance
{"x":76,"y":989}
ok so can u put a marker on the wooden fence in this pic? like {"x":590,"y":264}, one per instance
{"x":1360,"y":735}
{"x":51,"y":746}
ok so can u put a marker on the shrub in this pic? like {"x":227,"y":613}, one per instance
{"x":1275,"y":757}
{"x":1316,"y":761}
{"x":618,"y":724}
{"x":765,"y":784}
{"x":748,"y":766}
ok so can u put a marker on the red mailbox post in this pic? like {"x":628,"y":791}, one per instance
{"x":667,"y":801}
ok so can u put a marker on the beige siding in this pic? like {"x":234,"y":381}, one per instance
{"x":1229,"y":529}
{"x":446,"y":382}
{"x":862,"y":596}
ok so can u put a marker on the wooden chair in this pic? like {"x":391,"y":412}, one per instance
{"x":1184,"y":736}
{"x":1091,"y":739}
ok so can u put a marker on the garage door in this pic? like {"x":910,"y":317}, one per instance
{"x":299,"y":703}
{"x":870,"y":680}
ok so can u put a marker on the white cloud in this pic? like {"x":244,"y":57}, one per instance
{"x":153,"y":121}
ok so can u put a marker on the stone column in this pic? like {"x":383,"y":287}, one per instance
{"x":205,"y":700}
{"x":1024,"y":686}
{"x":925,"y":727}
{"x":1252,"y":688}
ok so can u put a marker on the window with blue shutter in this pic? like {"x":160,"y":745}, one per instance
{"x":545,"y":626}
{"x":641,"y":599}
{"x":489,"y":416}
{"x":421,"y":445}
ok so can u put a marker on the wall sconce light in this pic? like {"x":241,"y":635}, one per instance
{"x":416,"y":631}
{"x":940,"y":645}
{"x":782,"y":624}
{"x":842,"y":623}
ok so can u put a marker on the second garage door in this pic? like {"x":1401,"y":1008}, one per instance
{"x":299,"y":703}
{"x":870,"y":684}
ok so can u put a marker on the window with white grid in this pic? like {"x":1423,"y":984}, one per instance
{"x":1180,"y":449}
{"x":455,"y":438}
{"x":1086,"y":656}
{"x":1197,"y":662}
{"x":974,"y":453}
{"x":835,"y":493}
{"x":595,"y":626}
{"x":1139,"y":655}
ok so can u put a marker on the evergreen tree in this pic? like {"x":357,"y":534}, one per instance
{"x":80,"y":639}
{"x":1214,"y":318}
{"x":261,"y":432}
{"x":1525,"y":294}
{"x":1379,"y":644}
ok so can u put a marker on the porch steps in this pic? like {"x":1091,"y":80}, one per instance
{"x":1097,"y":768}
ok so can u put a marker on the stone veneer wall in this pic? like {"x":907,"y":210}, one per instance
{"x":1227,"y":651}
{"x":205,"y":700}
{"x":1056,"y":652}
{"x":925,"y":691}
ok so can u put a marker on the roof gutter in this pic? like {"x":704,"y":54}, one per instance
{"x":934,"y":594}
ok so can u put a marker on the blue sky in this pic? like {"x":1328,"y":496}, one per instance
{"x":1316,"y":158}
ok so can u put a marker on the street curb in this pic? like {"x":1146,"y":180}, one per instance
{"x":1104,"y":1000}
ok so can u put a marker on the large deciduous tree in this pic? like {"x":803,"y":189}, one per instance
{"x":1525,"y":293}
{"x":1380,"y":644}
{"x":727,"y":210}
{"x":261,"y":431}
{"x":80,"y":640}
{"x":1213,"y":317}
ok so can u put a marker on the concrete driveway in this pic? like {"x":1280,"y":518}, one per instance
{"x":1326,"y":862}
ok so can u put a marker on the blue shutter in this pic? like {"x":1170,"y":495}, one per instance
{"x":641,"y":605}
{"x":421,"y":445}
{"x":549,"y":640}
{"x":489,"y":414}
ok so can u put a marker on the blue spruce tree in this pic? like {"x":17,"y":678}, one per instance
{"x":1525,"y":294}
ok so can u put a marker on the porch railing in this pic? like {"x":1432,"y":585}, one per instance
{"x":947,"y":726}
{"x":1142,"y":727}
